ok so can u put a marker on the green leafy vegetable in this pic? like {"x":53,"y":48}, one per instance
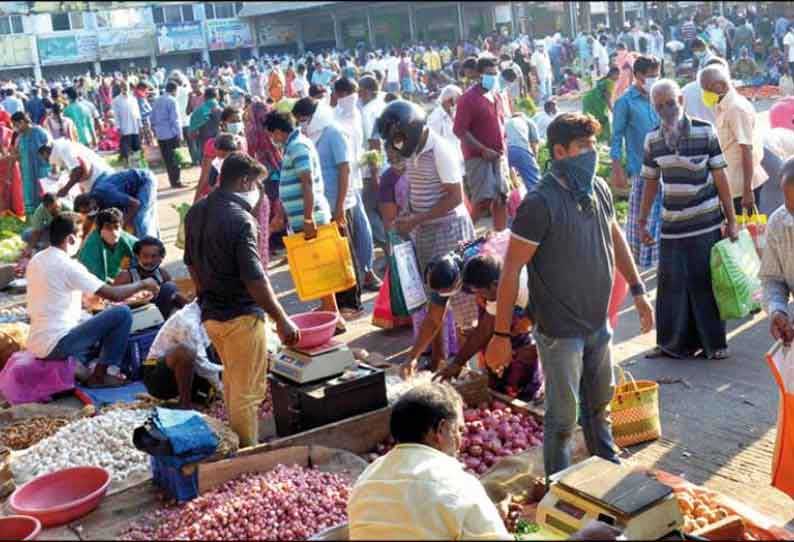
{"x":524,"y":527}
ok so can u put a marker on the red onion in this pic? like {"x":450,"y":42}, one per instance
{"x":284,"y":503}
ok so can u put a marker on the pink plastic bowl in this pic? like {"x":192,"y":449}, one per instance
{"x":19,"y":528}
{"x":316,"y":328}
{"x":61,"y":496}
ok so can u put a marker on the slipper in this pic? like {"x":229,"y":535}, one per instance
{"x":340,"y":328}
{"x":722,"y":353}
{"x":658,"y":352}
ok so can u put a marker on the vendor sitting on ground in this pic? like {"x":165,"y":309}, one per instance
{"x":37,"y":236}
{"x":108,"y":250}
{"x":149,"y":253}
{"x":179,"y":363}
{"x":479,"y":274}
{"x":55,"y":282}
{"x":419,"y":491}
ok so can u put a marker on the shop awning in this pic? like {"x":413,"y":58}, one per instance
{"x":254,"y":9}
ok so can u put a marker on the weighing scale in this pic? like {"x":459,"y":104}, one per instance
{"x":145,"y":317}
{"x":309,"y":365}
{"x":597,"y":489}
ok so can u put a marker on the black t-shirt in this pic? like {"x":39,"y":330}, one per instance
{"x":570,"y":275}
{"x":221,"y":247}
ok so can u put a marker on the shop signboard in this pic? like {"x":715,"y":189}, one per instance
{"x":16,"y":50}
{"x":177,"y":37}
{"x":228,"y":34}
{"x":270,"y":34}
{"x":14,"y":8}
{"x":502,"y":14}
{"x":67,"y":49}
{"x":125,"y":43}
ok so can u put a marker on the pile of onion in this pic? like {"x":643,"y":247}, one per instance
{"x":491,"y":431}
{"x":286,"y":503}
{"x":217,"y":409}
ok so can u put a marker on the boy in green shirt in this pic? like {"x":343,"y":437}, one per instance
{"x":38,"y":234}
{"x":108,"y":249}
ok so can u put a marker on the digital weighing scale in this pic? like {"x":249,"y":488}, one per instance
{"x":597,"y":489}
{"x":313,"y":364}
{"x":145,"y":317}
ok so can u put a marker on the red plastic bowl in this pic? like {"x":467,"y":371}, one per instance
{"x":317,"y":328}
{"x":19,"y":528}
{"x":61,"y":496}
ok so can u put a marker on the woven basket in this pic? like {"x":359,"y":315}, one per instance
{"x":635,"y":411}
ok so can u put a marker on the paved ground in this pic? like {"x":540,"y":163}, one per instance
{"x":718,"y":417}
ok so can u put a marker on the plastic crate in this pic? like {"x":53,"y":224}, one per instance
{"x":137,"y":349}
{"x":182,"y":488}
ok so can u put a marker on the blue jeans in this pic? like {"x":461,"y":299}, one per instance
{"x":110,"y":328}
{"x":524,"y":162}
{"x":362,"y":236}
{"x":115,"y":190}
{"x":579,"y":381}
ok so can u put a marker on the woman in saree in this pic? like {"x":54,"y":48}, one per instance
{"x":11,"y":198}
{"x":598,"y":102}
{"x":33,"y":167}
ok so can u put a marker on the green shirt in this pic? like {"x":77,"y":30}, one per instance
{"x":41,"y":217}
{"x":104,"y":262}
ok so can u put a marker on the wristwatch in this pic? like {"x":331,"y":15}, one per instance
{"x":637,"y":289}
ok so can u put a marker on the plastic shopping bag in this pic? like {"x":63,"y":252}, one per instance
{"x":734,"y":277}
{"x":25,"y":379}
{"x":382,"y":315}
{"x":182,"y":209}
{"x":756,"y":226}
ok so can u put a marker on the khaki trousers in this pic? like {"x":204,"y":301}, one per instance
{"x":242,"y":346}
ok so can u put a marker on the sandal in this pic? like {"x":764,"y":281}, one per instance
{"x":660,"y":352}
{"x":340,"y":327}
{"x":722,"y":353}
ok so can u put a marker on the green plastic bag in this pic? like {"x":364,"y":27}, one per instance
{"x":734,"y":277}
{"x":182,"y":209}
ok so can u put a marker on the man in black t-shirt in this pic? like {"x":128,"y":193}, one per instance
{"x":566,"y":235}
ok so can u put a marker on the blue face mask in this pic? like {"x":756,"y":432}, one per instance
{"x":489,"y":82}
{"x":579,"y":172}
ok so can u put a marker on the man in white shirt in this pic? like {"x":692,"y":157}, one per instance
{"x":371,"y":107}
{"x":542,"y":63}
{"x":391,"y":64}
{"x":544,"y":118}
{"x":178,"y":363}
{"x":600,"y":57}
{"x":84,"y":165}
{"x":419,"y":491}
{"x":55,"y":284}
{"x":128,"y":119}
{"x":693,"y":96}
{"x":740,"y":137}
{"x":301,"y":84}
{"x":788,"y":43}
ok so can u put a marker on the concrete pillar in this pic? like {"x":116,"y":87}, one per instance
{"x":97,"y":67}
{"x":621,"y":14}
{"x":370,"y":30}
{"x":299,"y":37}
{"x":37,"y":75}
{"x":461,"y":26}
{"x":153,"y":60}
{"x":412,"y":22}
{"x":337,"y":32}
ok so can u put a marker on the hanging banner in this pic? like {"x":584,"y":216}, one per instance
{"x":176,"y":37}
{"x":16,"y":50}
{"x":67,"y":49}
{"x":125,"y":43}
{"x":229,"y":34}
{"x":269,"y":34}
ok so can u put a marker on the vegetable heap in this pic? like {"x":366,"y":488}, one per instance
{"x":490,"y":432}
{"x":286,"y":503}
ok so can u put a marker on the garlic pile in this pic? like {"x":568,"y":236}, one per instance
{"x":103,"y":441}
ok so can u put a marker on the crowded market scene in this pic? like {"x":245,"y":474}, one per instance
{"x":396,"y":270}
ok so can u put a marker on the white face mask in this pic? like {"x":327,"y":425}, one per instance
{"x":649,"y":81}
{"x":234,"y":128}
{"x":251,"y":197}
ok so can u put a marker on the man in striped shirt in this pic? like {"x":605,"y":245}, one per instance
{"x":696,"y":199}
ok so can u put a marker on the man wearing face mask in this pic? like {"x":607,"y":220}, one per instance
{"x":334,"y":151}
{"x":442,"y":118}
{"x":569,"y":218}
{"x":234,"y":292}
{"x":55,"y":281}
{"x":479,"y":124}
{"x":740,"y":138}
{"x":684,"y":155}
{"x":344,"y":99}
{"x":693,"y":97}
{"x":419,"y":491}
{"x":632,"y":118}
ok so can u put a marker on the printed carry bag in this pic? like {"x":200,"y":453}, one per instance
{"x":734,"y":277}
